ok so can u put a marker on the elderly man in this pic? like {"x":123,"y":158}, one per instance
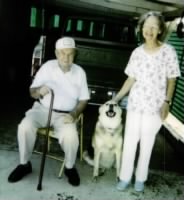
{"x":69,"y":84}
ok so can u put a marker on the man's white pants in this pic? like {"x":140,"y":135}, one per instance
{"x":37,"y":117}
{"x":143,"y":128}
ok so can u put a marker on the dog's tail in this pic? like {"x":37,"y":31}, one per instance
{"x":87,"y":158}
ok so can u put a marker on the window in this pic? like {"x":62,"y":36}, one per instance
{"x":36,"y":17}
{"x":100,"y":30}
{"x":33,"y":17}
{"x":178,"y":99}
{"x":56,"y":21}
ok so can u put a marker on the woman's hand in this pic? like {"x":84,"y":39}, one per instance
{"x":164,"y":111}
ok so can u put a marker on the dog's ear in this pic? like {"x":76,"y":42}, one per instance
{"x":120,"y":110}
{"x":100,"y":109}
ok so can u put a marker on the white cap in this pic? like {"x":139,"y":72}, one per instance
{"x":64,"y":43}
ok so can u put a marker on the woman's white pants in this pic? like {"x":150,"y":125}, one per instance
{"x":37,"y":117}
{"x":139,"y":128}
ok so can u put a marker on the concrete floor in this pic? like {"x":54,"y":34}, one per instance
{"x":162,"y":185}
{"x":166,"y":177}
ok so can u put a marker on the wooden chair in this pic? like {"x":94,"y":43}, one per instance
{"x":42,"y":131}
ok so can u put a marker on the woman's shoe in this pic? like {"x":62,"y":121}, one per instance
{"x":139,"y":186}
{"x":122,"y":185}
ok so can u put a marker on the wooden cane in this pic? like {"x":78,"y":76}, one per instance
{"x":45,"y":146}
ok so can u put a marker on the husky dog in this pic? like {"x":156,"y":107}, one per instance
{"x":107,"y":139}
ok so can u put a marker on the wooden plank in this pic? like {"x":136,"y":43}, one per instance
{"x":175,"y":127}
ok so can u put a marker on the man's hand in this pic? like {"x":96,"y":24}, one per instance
{"x":69,"y":118}
{"x":39,"y":92}
{"x":43,"y":90}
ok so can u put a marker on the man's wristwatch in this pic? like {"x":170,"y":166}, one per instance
{"x":168,"y":102}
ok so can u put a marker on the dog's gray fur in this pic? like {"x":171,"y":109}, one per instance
{"x":107,"y":139}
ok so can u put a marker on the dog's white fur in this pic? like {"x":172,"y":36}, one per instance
{"x":107,"y":139}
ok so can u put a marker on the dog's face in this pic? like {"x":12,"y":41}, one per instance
{"x":110,"y":114}
{"x":111,"y":109}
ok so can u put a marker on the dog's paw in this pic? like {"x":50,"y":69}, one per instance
{"x":95,"y":179}
{"x":101,"y":172}
{"x":87,"y":158}
{"x":117,"y":179}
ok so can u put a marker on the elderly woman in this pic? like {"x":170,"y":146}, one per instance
{"x":152,"y":71}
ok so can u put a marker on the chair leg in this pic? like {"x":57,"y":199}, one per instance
{"x":48,"y":144}
{"x":61,"y":169}
{"x":63,"y":160}
{"x":81,"y":138}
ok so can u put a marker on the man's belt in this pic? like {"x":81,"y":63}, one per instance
{"x":57,"y":111}
{"x":60,"y":111}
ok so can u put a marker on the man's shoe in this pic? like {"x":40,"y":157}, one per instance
{"x":73,"y":176}
{"x":122,"y":185}
{"x":19,"y":172}
{"x":139,"y":186}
